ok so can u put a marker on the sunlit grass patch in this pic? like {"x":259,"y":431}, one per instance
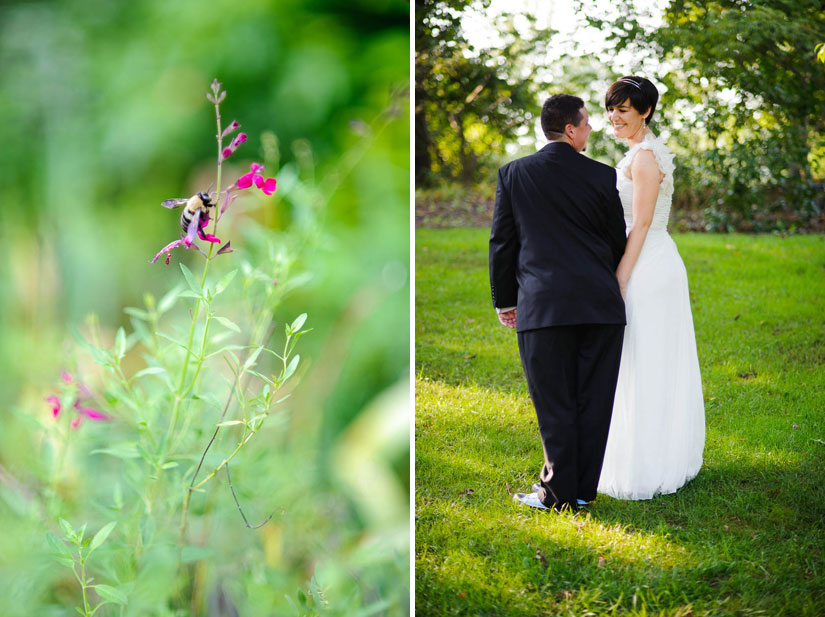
{"x":743,"y":538}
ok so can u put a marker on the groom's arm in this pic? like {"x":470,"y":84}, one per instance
{"x":615,"y":222}
{"x":504,"y":247}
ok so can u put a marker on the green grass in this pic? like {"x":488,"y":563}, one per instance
{"x":746,"y":537}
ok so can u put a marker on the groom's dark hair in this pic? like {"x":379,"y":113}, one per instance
{"x":557,"y":112}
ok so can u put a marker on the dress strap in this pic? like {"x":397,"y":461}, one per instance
{"x":662,"y":154}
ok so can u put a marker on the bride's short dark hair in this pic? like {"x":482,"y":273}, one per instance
{"x":557,"y":112}
{"x":642,"y":93}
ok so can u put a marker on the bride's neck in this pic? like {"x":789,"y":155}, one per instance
{"x":638,"y":136}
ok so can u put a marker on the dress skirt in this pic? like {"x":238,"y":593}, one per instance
{"x":657,"y":430}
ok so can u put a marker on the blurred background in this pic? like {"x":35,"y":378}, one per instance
{"x":741,"y":86}
{"x":103,"y":115}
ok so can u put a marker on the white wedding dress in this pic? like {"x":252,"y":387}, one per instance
{"x":657,"y":432}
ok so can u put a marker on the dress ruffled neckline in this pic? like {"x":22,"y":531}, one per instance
{"x":652,"y":142}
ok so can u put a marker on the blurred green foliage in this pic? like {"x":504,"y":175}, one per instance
{"x":103,"y":116}
{"x":742,"y":98}
{"x":469,"y":101}
{"x":747,"y":100}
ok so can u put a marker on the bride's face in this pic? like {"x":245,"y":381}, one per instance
{"x":626,"y":121}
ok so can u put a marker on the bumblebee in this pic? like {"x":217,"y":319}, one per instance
{"x":197,"y":209}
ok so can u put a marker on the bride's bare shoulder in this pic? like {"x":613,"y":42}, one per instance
{"x":644,"y":165}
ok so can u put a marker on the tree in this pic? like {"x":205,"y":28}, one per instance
{"x":469,"y":102}
{"x":745,"y":82}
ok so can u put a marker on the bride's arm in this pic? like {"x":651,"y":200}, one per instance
{"x":646,"y":178}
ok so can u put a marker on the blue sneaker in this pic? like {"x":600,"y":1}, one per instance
{"x":579,"y":502}
{"x":529,"y":499}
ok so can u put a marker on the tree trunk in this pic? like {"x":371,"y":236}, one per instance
{"x":423,"y":148}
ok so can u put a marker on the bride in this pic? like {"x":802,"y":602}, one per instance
{"x":657,"y":431}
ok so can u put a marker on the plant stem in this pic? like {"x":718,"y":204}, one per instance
{"x":180,"y":394}
{"x":83,"y":585}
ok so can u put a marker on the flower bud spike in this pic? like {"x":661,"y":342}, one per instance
{"x":239,"y":139}
{"x":233,"y":126}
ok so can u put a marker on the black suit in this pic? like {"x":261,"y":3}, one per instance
{"x":557,"y":237}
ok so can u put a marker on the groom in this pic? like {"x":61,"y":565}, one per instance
{"x":558,"y":234}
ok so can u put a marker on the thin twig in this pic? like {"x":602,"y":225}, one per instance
{"x":225,"y":409}
{"x":237,"y":503}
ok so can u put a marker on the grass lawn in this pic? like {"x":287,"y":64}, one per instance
{"x":746,"y":537}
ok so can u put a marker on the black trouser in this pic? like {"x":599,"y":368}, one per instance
{"x":571,"y":373}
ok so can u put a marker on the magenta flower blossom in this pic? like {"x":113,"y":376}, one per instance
{"x":82,"y":395}
{"x":253,"y":177}
{"x":239,"y":139}
{"x":90,"y":412}
{"x":173,"y":245}
{"x":234,"y":126}
{"x":212,"y":206}
{"x":55,"y":403}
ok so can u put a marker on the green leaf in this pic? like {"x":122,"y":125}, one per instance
{"x":67,"y":529}
{"x":58,"y":546}
{"x":226,"y":323}
{"x":111,"y":594}
{"x":209,"y":397}
{"x":230,"y":423}
{"x":226,"y":348}
{"x":225,"y":281}
{"x":152,"y":370}
{"x":79,"y":338}
{"x":277,"y":355}
{"x":192,"y":281}
{"x":171,"y":340}
{"x":250,"y":361}
{"x":120,"y":343}
{"x":66,"y":561}
{"x":123,"y":450}
{"x":194,"y":553}
{"x":100,"y":536}
{"x":136,"y":312}
{"x":189,"y":294}
{"x":168,"y":300}
{"x":290,"y":369}
{"x":296,"y":325}
{"x":147,"y":530}
{"x":262,"y":377}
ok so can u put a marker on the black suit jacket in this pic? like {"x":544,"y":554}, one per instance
{"x":558,"y":235}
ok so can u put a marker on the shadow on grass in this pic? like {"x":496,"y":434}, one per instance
{"x":746,"y":534}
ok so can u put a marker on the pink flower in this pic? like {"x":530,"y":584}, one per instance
{"x":90,"y":412}
{"x":234,"y":126}
{"x":81,"y":395}
{"x":55,"y":403}
{"x":239,"y":139}
{"x":253,"y":177}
